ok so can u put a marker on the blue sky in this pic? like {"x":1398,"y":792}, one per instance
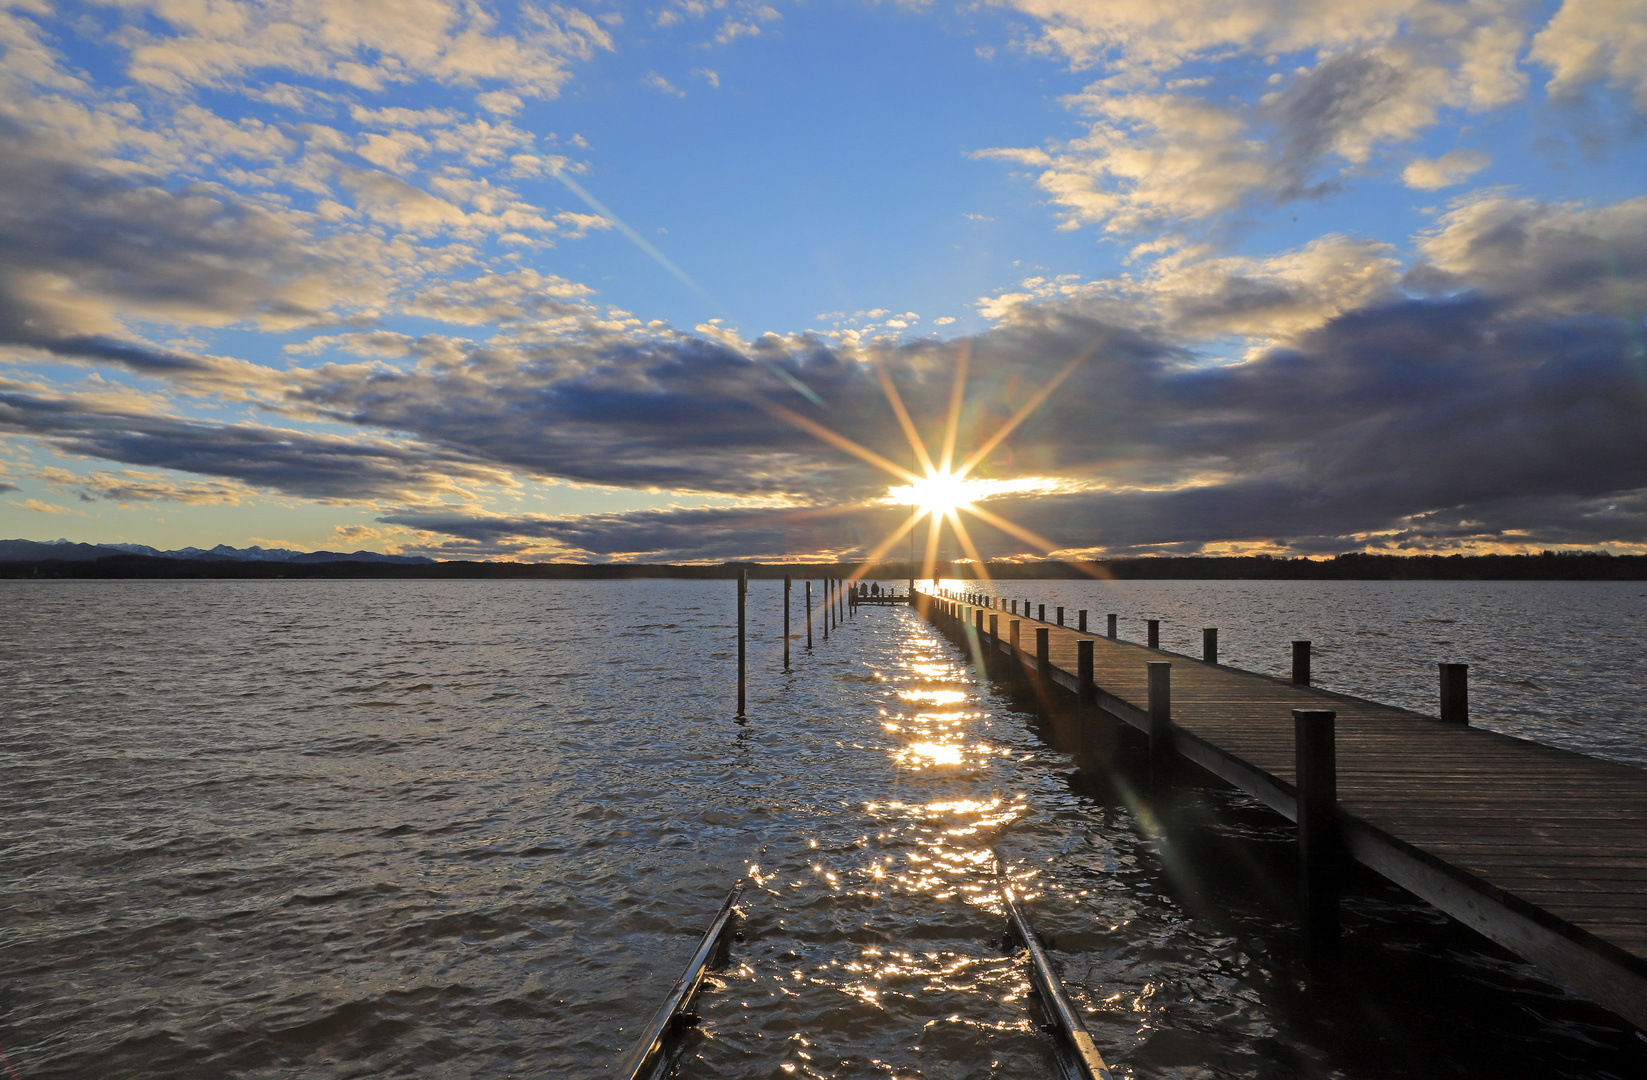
{"x":1309,"y":277}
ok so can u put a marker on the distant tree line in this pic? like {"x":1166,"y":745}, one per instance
{"x":1355,"y":566}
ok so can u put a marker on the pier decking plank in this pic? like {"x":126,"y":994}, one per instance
{"x":1542,"y":849}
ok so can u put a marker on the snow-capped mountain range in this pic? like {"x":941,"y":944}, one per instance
{"x":37,"y":550}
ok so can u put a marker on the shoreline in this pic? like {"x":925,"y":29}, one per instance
{"x":1550,"y":566}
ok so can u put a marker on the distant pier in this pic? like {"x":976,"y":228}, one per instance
{"x":1542,"y":850}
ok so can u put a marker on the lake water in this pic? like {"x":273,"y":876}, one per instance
{"x":473,"y":829}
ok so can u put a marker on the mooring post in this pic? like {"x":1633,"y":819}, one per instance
{"x":809,"y":614}
{"x":994,"y":635}
{"x":1016,"y":669}
{"x":1155,"y":633}
{"x":1026,"y":609}
{"x":1455,"y":693}
{"x":1209,"y":645}
{"x":1111,"y":633}
{"x":1160,"y":722}
{"x":786,"y":622}
{"x":1041,"y":615}
{"x":1316,"y":768}
{"x":1043,"y":662}
{"x":1301,"y":663}
{"x":1060,"y":616}
{"x":743,"y":590}
{"x":824,"y":607}
{"x":1088,"y":692}
{"x":1081,"y":620}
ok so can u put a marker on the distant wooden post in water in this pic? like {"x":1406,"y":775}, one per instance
{"x":1301,"y":663}
{"x":786,"y":622}
{"x":824,"y":607}
{"x":1209,"y":645}
{"x":809,"y":615}
{"x":1455,"y":693}
{"x":1316,"y":767}
{"x":1154,"y":633}
{"x":743,"y":590}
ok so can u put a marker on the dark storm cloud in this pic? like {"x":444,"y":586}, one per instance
{"x":274,"y":459}
{"x":1419,"y":418}
{"x":122,"y":244}
{"x":682,"y":535}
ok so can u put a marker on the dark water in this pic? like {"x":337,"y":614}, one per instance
{"x":274,"y":829}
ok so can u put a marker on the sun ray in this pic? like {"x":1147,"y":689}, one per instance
{"x":957,"y":394}
{"x":896,"y":400}
{"x":929,"y":561}
{"x":883,"y":547}
{"x":966,"y":541}
{"x":836,"y":439}
{"x":1018,"y":417}
{"x":1004,"y":525}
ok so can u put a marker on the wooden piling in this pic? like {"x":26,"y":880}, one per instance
{"x":1154,"y":633}
{"x":1111,"y":632}
{"x":1455,"y":693}
{"x":1160,"y":721}
{"x":1043,"y":665}
{"x":1209,"y":645}
{"x":743,"y":590}
{"x":1041,"y":615}
{"x":1301,"y":663}
{"x":1060,"y":616}
{"x":1087,"y":689}
{"x":1016,"y":657}
{"x":1081,"y":620}
{"x":824,"y":587}
{"x":1316,"y":768}
{"x":809,"y":615}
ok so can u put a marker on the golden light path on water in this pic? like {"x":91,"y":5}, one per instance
{"x":889,"y":938}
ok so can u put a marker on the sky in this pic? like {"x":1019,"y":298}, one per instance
{"x":698,"y":281}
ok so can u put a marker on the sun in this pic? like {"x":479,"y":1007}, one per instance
{"x":939,"y":492}
{"x":943,"y":485}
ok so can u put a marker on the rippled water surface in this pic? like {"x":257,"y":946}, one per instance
{"x":473,"y":829}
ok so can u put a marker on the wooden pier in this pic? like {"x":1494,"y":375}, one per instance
{"x":1542,"y":850}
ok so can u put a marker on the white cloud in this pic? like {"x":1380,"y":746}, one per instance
{"x":36,"y":506}
{"x":499,"y":102}
{"x":662,"y":85}
{"x":1384,"y":72}
{"x":368,"y":45}
{"x":1595,"y":40}
{"x":708,"y":75}
{"x":1450,"y":168}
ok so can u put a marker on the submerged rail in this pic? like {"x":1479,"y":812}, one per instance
{"x":653,"y":1054}
{"x":1077,"y":1054}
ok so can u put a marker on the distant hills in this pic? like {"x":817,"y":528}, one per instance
{"x":68,"y":551}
